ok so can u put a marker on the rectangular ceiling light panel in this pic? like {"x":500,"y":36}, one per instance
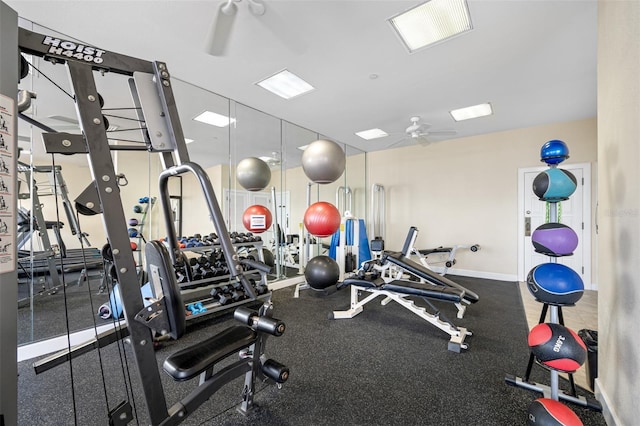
{"x":432,"y":22}
{"x":372,"y":134}
{"x":214,"y":119}
{"x":475,"y":111}
{"x":285,"y":84}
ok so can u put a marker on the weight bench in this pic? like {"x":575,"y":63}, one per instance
{"x":400,"y":291}
{"x":426,"y":275}
{"x":248,"y":341}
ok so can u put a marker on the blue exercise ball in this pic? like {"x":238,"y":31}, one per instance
{"x":554,"y":239}
{"x":554,"y":185}
{"x":322,"y":272}
{"x":554,"y":152}
{"x":555,"y":283}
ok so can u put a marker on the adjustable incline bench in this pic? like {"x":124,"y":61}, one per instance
{"x":374,"y":278}
{"x":368,"y":280}
{"x":395,"y":265}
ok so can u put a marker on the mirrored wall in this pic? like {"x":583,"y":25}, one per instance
{"x":50,"y":184}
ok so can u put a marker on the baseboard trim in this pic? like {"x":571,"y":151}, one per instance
{"x":478,"y":274}
{"x":608,"y":411}
{"x":60,"y":343}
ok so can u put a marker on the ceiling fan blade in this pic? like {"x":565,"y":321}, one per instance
{"x":443,"y":133}
{"x":398,"y":142}
{"x":220,"y":32}
{"x":65,"y":119}
{"x":423,"y":140}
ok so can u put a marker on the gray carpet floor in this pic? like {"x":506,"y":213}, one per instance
{"x":386,"y":366}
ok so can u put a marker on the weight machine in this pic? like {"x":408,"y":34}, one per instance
{"x":151,"y":89}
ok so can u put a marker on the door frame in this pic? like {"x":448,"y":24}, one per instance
{"x":586,"y":217}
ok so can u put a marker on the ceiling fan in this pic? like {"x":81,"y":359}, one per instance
{"x":226,"y":15}
{"x":419,"y":132}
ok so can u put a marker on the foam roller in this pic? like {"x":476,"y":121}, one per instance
{"x":245,"y":316}
{"x":275,"y":371}
{"x":272,"y":326}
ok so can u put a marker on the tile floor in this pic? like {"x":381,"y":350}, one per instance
{"x":584,"y":315}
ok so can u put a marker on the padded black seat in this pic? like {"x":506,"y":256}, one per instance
{"x":190,"y":362}
{"x":361,"y":283}
{"x":427,"y":274}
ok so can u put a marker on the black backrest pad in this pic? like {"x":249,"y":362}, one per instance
{"x":159,"y":264}
{"x":189,"y":362}
{"x":427,"y":274}
{"x":429,"y":291}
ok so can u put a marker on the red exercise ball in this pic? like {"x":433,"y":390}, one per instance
{"x":322,"y":219}
{"x":549,"y":412}
{"x":257,"y":218}
{"x":557,"y":347}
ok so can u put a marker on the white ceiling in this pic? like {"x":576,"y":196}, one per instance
{"x":535,"y":61}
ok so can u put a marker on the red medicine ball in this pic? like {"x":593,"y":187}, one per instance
{"x":557,"y":347}
{"x":549,"y":412}
{"x":256,"y":218}
{"x":322,"y":219}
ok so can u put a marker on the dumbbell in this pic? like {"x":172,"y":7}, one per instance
{"x":261,"y":288}
{"x":237,"y":295}
{"x":181,"y":278}
{"x":224,"y":298}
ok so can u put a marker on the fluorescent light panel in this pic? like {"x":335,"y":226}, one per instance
{"x":372,"y":134}
{"x":214,"y":119}
{"x":187,"y":140}
{"x":285,"y":84}
{"x":432,"y":22}
{"x":468,"y":113}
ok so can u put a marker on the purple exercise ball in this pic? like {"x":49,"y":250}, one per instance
{"x":554,"y":239}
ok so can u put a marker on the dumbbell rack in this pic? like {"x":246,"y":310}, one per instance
{"x":201,"y":290}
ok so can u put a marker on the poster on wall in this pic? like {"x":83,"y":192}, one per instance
{"x":7,"y":180}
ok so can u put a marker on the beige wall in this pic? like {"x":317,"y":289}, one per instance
{"x":619,"y":209}
{"x":456,"y":192}
{"x":464,"y":191}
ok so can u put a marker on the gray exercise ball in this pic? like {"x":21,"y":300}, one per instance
{"x":323,"y":161}
{"x":253,"y":174}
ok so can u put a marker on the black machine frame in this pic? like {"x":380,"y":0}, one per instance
{"x":151,"y":88}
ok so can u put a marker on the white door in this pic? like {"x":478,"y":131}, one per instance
{"x":574,"y":212}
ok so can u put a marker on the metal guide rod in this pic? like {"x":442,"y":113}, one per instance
{"x":378,"y":210}
{"x":276,"y":227}
{"x":553,"y":312}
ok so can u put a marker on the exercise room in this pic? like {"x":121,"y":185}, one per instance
{"x":279,"y":212}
